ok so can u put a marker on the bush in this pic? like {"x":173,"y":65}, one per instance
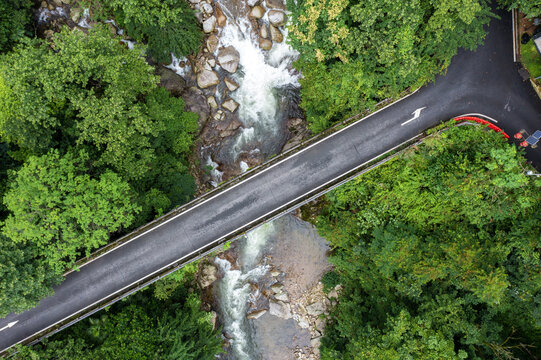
{"x":14,"y":19}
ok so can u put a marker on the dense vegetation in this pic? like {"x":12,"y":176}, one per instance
{"x":357,"y":53}
{"x":168,"y":26}
{"x":163,"y":321}
{"x":92,"y":147}
{"x":439,"y":254}
{"x":531,"y":8}
{"x":14,"y":22}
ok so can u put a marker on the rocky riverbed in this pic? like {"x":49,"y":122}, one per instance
{"x":266,"y":292}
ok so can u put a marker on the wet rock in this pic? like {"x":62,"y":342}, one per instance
{"x":195,"y":102}
{"x":276,"y":34}
{"x":265,"y":44}
{"x":207,"y":275}
{"x":230,"y":105}
{"x":221,"y":18}
{"x":256,"y":314}
{"x":277,"y":288}
{"x":212,"y":43}
{"x":212,"y":102}
{"x":252,"y":2}
{"x":315,"y":309}
{"x":171,"y":81}
{"x":280,"y":309}
{"x":277,"y":18}
{"x":231,"y":84}
{"x":209,"y":25}
{"x":282,"y":297}
{"x":264,"y":31}
{"x":276,"y":4}
{"x":228,"y":58}
{"x":207,"y":79}
{"x":207,"y":9}
{"x":257,"y":12}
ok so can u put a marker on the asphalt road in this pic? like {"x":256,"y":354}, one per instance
{"x":485,"y":81}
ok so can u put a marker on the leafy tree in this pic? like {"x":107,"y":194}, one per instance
{"x":61,"y":211}
{"x":167,"y":26}
{"x":14,"y":18}
{"x":362,"y":52}
{"x":532,"y":8}
{"x":438,"y":253}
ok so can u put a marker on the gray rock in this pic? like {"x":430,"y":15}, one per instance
{"x":212,"y":102}
{"x":228,"y":58}
{"x":207,"y":275}
{"x":209,"y":25}
{"x":280,"y":309}
{"x":230,"y":105}
{"x":256,"y":314}
{"x":276,"y":288}
{"x":282,"y":297}
{"x":315,"y":309}
{"x":212,"y":43}
{"x":207,"y":79}
{"x":252,"y":2}
{"x":265,"y":44}
{"x":207,"y":9}
{"x":315,"y":342}
{"x":277,"y":18}
{"x":171,"y":81}
{"x":276,"y":34}
{"x":264,"y":31}
{"x":211,"y":62}
{"x":303,"y":323}
{"x":275,"y":273}
{"x":195,"y":1}
{"x":231,"y":84}
{"x":276,"y":4}
{"x":257,"y":12}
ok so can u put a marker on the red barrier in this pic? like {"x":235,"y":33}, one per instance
{"x":484,"y":122}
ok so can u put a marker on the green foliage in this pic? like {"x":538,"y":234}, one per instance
{"x":531,"y":59}
{"x":532,"y":8}
{"x":167,"y":26}
{"x":329,"y":280}
{"x":140,"y":327}
{"x":361,"y":52}
{"x":61,"y":211}
{"x":14,"y":19}
{"x":438,"y":252}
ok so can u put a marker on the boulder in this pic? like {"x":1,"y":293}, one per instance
{"x":207,"y":79}
{"x":275,"y":273}
{"x":264,"y":31}
{"x":230,"y":105}
{"x":57,"y":2}
{"x":265,"y":44}
{"x":207,"y":9}
{"x":282,"y":297}
{"x":207,"y":275}
{"x":196,"y":102}
{"x":303,"y":323}
{"x":209,"y":25}
{"x":256,"y":314}
{"x":211,"y":62}
{"x":221,"y":19}
{"x":277,"y":18}
{"x":277,"y":288}
{"x":276,"y":34}
{"x":228,"y":58}
{"x":280,"y":309}
{"x":252,"y":2}
{"x":315,"y":309}
{"x":195,"y":1}
{"x":171,"y":81}
{"x":276,"y":4}
{"x":212,"y":43}
{"x":212,"y":102}
{"x":67,"y":2}
{"x":315,"y":342}
{"x":231,"y":84}
{"x":44,"y":4}
{"x":257,"y":12}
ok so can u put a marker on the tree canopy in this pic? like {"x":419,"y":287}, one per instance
{"x":438,"y":253}
{"x":357,"y":53}
{"x":14,"y":20}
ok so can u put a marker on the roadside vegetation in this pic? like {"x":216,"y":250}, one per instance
{"x":438,"y":253}
{"x":531,"y":59}
{"x":163,"y":321}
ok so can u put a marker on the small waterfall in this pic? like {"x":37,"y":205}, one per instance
{"x":215,"y":174}
{"x":233,"y":292}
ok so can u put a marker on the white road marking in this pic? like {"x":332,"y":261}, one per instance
{"x":478,"y":115}
{"x":11,"y":324}
{"x":415,"y":114}
{"x":243,"y":181}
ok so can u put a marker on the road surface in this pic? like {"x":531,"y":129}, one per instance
{"x":485,"y":81}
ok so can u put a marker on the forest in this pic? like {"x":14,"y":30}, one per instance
{"x":438,"y":250}
{"x":438,"y":254}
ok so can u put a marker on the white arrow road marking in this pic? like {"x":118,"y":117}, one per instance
{"x":11,"y":324}
{"x":415,"y":114}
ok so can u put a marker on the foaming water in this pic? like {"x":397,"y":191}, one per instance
{"x":262,"y":76}
{"x":233,"y":291}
